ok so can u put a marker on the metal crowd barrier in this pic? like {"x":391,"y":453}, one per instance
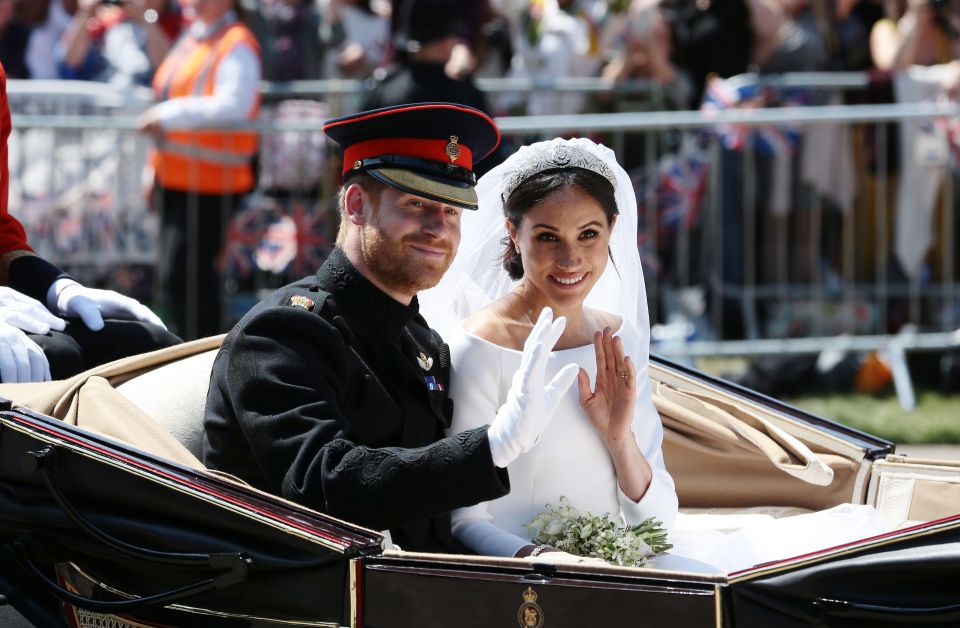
{"x":731,"y":272}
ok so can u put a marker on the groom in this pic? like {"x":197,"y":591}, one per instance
{"x":332,"y":392}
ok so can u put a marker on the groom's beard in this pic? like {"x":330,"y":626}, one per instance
{"x":397,"y":265}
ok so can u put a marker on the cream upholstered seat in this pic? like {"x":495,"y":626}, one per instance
{"x":175,"y":395}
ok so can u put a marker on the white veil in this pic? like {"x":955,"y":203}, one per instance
{"x":476,"y":276}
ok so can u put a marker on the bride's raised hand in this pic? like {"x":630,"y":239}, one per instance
{"x":610,"y":404}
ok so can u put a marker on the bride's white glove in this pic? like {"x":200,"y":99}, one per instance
{"x":91,"y":305}
{"x":530,"y":404}
{"x":21,"y":359}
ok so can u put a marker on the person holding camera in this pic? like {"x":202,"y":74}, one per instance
{"x":118,"y":41}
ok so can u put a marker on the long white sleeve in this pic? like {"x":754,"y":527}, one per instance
{"x":569,"y":461}
{"x":475,"y":389}
{"x":236,"y":90}
{"x":660,"y":500}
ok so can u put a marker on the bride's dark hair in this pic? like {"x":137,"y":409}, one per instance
{"x":533,"y":190}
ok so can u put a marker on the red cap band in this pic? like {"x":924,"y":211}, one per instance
{"x":442,"y":151}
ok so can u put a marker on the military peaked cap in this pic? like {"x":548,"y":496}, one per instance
{"x":427,"y":149}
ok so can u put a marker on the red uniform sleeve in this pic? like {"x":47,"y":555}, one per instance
{"x":12,"y":235}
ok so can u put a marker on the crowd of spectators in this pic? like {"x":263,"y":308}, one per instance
{"x":677,"y":43}
{"x":663,"y":53}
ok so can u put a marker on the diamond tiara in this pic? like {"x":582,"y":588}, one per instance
{"x":553,"y":158}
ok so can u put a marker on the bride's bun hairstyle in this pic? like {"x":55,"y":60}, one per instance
{"x":528,"y":192}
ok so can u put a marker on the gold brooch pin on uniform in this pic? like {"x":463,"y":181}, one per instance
{"x":453,"y":148}
{"x":302,"y":301}
{"x":426,"y":362}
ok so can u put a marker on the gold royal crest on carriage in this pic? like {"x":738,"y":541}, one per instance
{"x":530,"y":615}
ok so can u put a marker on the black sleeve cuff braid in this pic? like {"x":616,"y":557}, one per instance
{"x":33,"y":276}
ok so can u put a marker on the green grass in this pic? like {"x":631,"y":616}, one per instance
{"x":935,"y":420}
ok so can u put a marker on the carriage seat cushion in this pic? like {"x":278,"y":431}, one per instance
{"x":175,"y":394}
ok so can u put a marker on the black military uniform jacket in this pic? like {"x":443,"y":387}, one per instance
{"x":334,"y":395}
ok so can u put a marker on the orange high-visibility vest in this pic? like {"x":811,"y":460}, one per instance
{"x":206,"y":162}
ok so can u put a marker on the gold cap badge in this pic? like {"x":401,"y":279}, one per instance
{"x":453,"y":148}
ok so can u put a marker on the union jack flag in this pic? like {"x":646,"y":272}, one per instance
{"x":675,"y":187}
{"x":244,"y":234}
{"x":313,"y":245}
{"x":668,"y":200}
{"x":723,"y":94}
{"x":279,"y":236}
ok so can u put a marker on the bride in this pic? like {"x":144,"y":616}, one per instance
{"x":557,"y":228}
{"x":568,"y":243}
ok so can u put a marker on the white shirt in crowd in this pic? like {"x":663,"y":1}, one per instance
{"x":41,"y":59}
{"x":237,"y":82}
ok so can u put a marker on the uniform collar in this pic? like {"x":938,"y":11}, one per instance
{"x":355,"y":294}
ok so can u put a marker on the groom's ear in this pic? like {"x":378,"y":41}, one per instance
{"x":354,"y":202}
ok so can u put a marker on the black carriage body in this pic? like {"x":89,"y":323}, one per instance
{"x":406,"y":591}
{"x":77,"y":510}
{"x":902,"y":579}
{"x":86,"y":522}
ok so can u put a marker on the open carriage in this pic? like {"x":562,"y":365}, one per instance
{"x":108,"y":519}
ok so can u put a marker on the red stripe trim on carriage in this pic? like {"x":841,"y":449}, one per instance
{"x":181,"y":480}
{"x":432,"y":150}
{"x":921,"y":529}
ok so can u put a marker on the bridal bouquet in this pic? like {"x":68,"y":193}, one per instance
{"x":585,"y":534}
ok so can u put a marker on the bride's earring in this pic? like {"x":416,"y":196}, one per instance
{"x":516,"y":248}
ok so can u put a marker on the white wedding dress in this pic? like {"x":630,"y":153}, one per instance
{"x":569,"y":460}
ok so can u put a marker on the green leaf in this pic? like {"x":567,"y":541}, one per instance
{"x":584,"y":534}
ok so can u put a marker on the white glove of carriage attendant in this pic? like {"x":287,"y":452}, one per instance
{"x":530,"y":404}
{"x":91,"y":305}
{"x":21,"y":359}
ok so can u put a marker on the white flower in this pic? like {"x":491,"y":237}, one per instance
{"x":555,"y":527}
{"x":586,"y":534}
